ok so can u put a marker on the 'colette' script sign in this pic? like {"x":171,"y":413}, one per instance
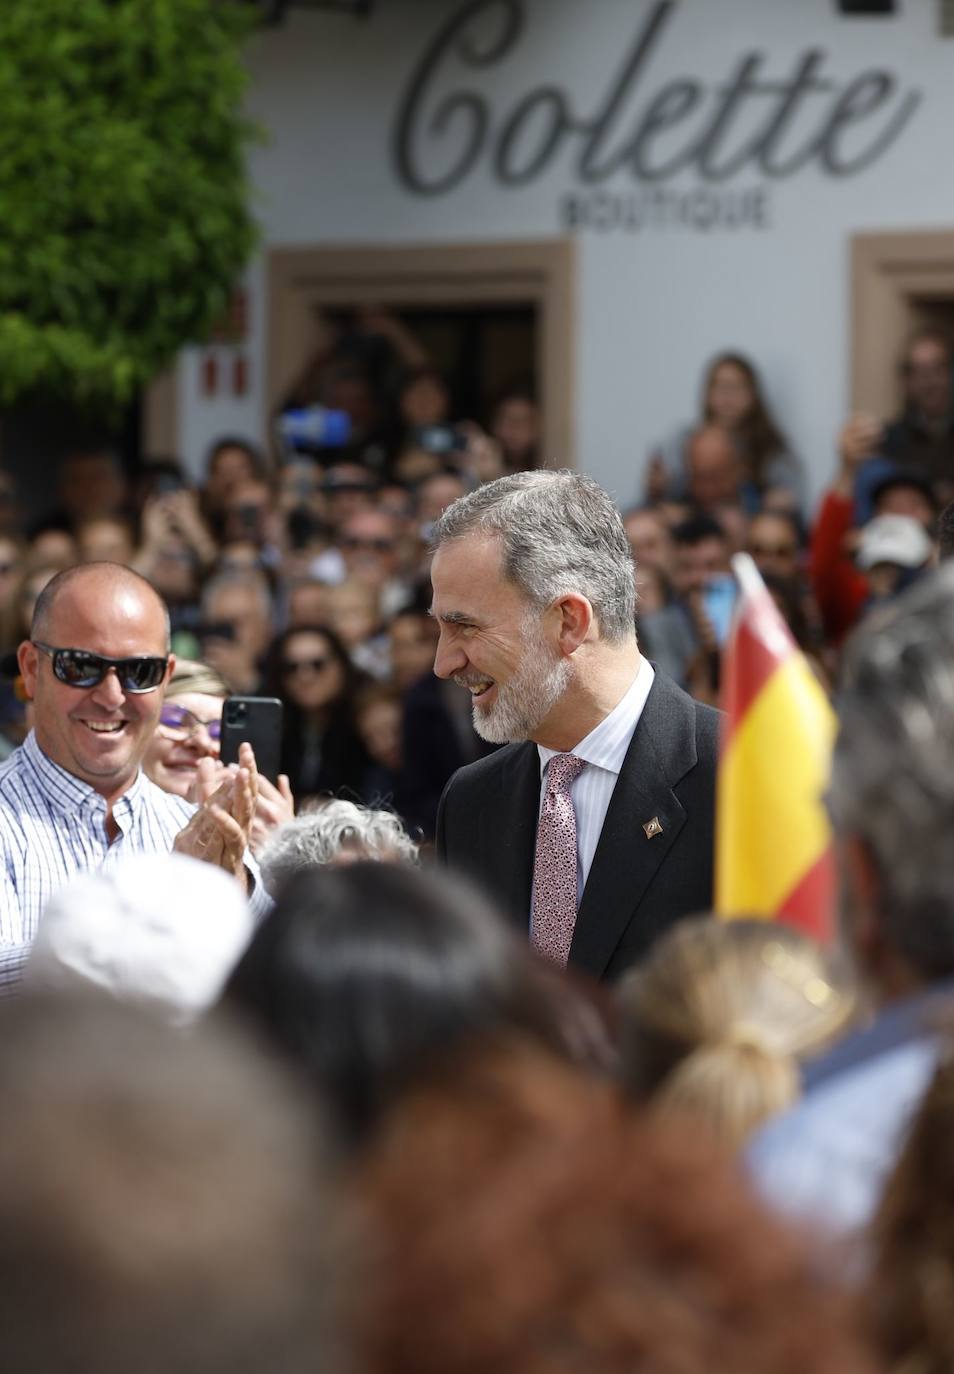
{"x":766,"y":125}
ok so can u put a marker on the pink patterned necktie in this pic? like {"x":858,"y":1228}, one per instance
{"x":554,"y":867}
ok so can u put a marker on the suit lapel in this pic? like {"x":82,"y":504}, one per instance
{"x":661,"y":752}
{"x":509,"y":831}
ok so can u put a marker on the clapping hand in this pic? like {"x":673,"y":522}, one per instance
{"x":219,"y":831}
{"x":274,"y":806}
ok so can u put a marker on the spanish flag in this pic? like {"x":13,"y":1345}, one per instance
{"x":773,"y":841}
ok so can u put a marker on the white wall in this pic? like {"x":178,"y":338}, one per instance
{"x":654,"y":304}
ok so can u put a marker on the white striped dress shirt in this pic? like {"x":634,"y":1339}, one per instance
{"x":53,"y":826}
{"x":604,"y":750}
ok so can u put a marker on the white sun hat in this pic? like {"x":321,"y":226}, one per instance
{"x":162,"y":929}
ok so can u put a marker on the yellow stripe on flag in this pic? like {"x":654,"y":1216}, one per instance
{"x":773,"y":773}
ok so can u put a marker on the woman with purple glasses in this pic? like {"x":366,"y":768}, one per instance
{"x":189,"y":730}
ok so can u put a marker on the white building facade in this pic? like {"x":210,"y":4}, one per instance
{"x":711,"y":162}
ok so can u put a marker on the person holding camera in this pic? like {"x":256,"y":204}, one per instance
{"x":190,"y":730}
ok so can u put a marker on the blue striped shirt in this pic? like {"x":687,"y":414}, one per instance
{"x":53,"y":826}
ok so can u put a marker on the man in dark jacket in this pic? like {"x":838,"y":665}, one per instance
{"x":594,"y":828}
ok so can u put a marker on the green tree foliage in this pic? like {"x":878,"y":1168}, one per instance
{"x":123,"y":196}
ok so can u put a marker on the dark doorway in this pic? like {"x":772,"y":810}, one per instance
{"x":37,"y":436}
{"x":490,"y":316}
{"x":482,"y":352}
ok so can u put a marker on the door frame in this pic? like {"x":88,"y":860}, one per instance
{"x":892,"y":275}
{"x":538,"y":272}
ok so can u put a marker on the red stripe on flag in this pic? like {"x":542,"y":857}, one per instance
{"x":810,"y":906}
{"x":747,"y":664}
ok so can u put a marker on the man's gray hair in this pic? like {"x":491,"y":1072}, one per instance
{"x":560,"y":533}
{"x":893,"y":770}
{"x":318,"y":837}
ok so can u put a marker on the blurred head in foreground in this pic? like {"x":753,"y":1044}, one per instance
{"x":892,"y":789}
{"x":369,"y":974}
{"x":528,"y":1225}
{"x":911,"y":1294}
{"x":158,"y":1206}
{"x":718,"y":1018}
{"x":161,"y":930}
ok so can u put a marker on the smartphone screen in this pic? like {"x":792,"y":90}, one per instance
{"x":257,"y":721}
{"x":718,"y":602}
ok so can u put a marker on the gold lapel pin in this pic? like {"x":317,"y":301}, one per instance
{"x":653,"y":827}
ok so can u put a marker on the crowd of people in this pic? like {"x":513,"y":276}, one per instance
{"x":426,"y":1052}
{"x":730,"y":482}
{"x":304,"y":579}
{"x":309,"y":580}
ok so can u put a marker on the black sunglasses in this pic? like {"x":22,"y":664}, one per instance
{"x":79,"y":668}
{"x":293,"y":665}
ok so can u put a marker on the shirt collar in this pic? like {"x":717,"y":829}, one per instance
{"x":606,"y":744}
{"x":65,"y":792}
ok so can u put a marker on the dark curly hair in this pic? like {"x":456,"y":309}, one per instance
{"x":911,"y":1292}
{"x":529,"y":1225}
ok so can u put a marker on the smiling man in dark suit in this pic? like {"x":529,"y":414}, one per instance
{"x":594,"y":828}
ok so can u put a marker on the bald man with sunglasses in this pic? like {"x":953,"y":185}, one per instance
{"x":74,"y":797}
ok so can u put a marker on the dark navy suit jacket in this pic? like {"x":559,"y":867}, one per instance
{"x":637,"y":886}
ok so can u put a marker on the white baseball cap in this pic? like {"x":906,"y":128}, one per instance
{"x":895,"y":539}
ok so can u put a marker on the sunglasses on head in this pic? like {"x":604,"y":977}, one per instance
{"x":773,"y":550}
{"x":180,"y":721}
{"x":79,"y":668}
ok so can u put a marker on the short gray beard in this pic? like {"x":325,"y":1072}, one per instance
{"x":527,"y":699}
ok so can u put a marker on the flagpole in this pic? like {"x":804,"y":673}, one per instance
{"x":747,"y":574}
